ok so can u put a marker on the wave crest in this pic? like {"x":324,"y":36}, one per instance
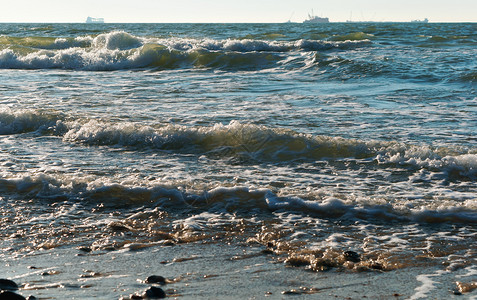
{"x":120,"y":50}
{"x":244,"y":141}
{"x":116,"y":40}
{"x":22,"y":121}
{"x":260,"y":143}
{"x":234,"y":138}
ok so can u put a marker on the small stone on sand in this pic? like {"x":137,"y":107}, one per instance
{"x":6,"y":284}
{"x":85,"y":249}
{"x":155,"y":293}
{"x":156,"y":279}
{"x":7,"y":295}
{"x":352,"y":256}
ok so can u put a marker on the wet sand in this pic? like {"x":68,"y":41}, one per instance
{"x":211,"y":271}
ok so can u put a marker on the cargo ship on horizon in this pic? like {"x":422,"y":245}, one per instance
{"x":315,"y":19}
{"x":94,"y":20}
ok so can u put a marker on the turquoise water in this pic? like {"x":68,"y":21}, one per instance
{"x":343,"y":136}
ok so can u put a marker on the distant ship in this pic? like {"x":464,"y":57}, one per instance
{"x":94,"y":20}
{"x":289,"y":19}
{"x":315,"y":19}
{"x":420,"y":21}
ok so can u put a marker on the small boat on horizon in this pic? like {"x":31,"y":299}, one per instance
{"x":94,"y":20}
{"x":426,"y":20}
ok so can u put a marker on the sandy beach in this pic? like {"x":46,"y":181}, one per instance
{"x":212,"y":271}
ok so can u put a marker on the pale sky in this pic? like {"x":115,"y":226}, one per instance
{"x":223,"y":11}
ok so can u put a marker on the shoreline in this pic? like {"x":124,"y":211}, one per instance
{"x":212,"y":271}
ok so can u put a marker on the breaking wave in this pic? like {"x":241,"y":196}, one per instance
{"x":262,"y":143}
{"x":22,"y":121}
{"x":252,"y":142}
{"x":120,"y":50}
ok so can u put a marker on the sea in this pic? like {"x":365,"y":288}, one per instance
{"x":343,"y":146}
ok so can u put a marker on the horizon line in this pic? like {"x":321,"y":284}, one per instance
{"x":285,"y":22}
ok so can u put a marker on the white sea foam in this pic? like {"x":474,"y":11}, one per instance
{"x":464,"y":164}
{"x":248,"y":45}
{"x":314,"y":45}
{"x":427,"y":285}
{"x":71,"y":58}
{"x":203,"y":220}
{"x":228,"y":200}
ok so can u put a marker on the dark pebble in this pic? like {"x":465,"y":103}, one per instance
{"x":352,"y":256}
{"x":6,"y":284}
{"x":377,"y":266}
{"x":267,"y":251}
{"x":156,"y":279}
{"x":31,"y":298}
{"x":7,"y":295}
{"x":155,"y":293}
{"x":85,"y":249}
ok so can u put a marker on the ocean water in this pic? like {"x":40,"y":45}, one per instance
{"x":308,"y":139}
